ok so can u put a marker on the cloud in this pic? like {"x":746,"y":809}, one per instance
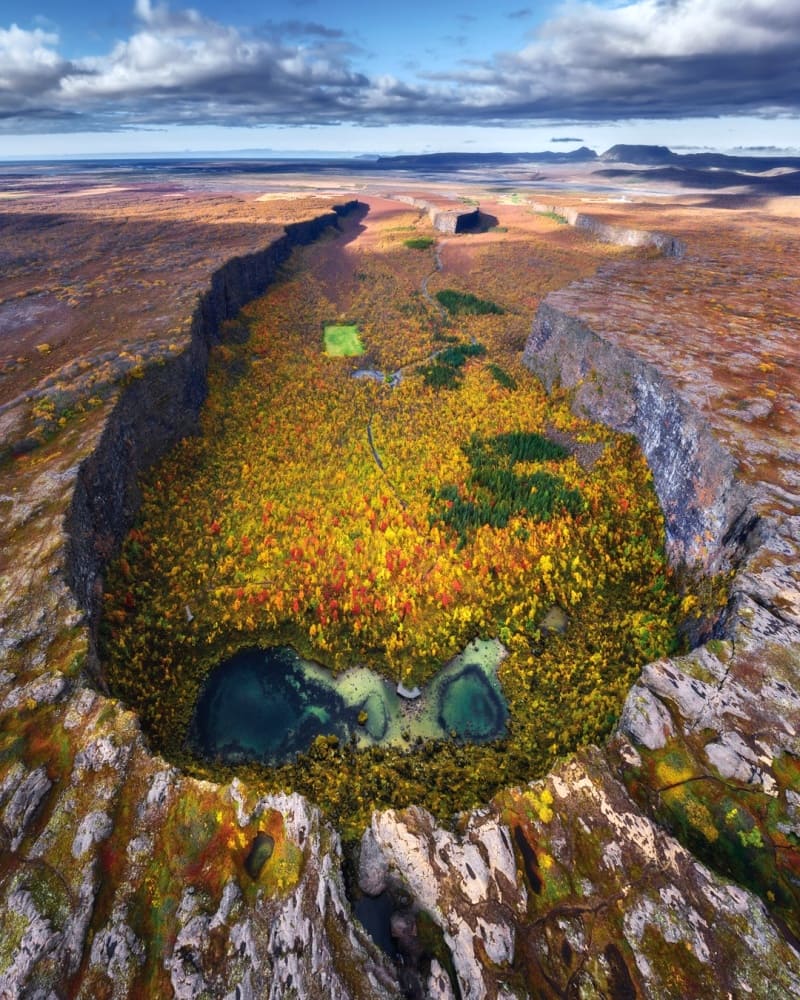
{"x":590,"y":62}
{"x":307,"y":28}
{"x":645,"y":59}
{"x":29,"y":62}
{"x":181,"y":66}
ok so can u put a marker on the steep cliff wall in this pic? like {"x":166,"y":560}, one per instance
{"x":668,"y":245}
{"x":706,"y":509}
{"x":158,"y":409}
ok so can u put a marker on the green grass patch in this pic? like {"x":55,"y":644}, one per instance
{"x":444,"y":372}
{"x":458,"y":354}
{"x":343,"y":341}
{"x":440,"y":376}
{"x":560,"y":219}
{"x":466,"y":303}
{"x":419,"y":242}
{"x":502,"y":377}
{"x":515,"y":446}
{"x":495,"y":491}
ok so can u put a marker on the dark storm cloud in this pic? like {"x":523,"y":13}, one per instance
{"x":641,"y":59}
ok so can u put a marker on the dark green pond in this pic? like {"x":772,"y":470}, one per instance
{"x":269,"y":705}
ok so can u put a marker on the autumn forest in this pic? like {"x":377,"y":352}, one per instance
{"x":386,"y":508}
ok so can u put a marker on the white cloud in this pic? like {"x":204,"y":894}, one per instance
{"x":590,"y":62}
{"x":29,"y":60}
{"x":649,"y":58}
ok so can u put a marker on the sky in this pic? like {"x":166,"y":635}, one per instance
{"x":130,"y":77}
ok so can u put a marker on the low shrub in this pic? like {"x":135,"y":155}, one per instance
{"x":466,"y":303}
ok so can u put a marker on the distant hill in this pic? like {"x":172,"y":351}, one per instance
{"x":460,"y":161}
{"x":641,"y":155}
{"x":661,"y":156}
{"x":710,"y":179}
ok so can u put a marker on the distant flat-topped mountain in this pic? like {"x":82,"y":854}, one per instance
{"x":661,"y":156}
{"x":641,"y":155}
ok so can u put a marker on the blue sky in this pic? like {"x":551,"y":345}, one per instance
{"x":132,"y":76}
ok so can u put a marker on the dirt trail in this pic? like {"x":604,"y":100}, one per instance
{"x":424,"y":286}
{"x":337,"y":272}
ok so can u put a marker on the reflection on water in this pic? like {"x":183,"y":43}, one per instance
{"x":270,"y":704}
{"x":470,"y":706}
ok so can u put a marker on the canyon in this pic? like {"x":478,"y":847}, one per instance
{"x":662,"y":864}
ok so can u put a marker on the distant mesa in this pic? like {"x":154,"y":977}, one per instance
{"x":787,"y":182}
{"x":642,"y":155}
{"x":662,"y":156}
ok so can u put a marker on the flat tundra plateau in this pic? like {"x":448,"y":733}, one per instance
{"x":663,"y":864}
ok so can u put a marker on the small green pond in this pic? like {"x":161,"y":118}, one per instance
{"x":270,"y":704}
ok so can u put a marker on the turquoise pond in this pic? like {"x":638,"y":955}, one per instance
{"x":270,"y":704}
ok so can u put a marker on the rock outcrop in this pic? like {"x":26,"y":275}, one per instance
{"x":444,"y":218}
{"x":456,"y":221}
{"x":706,"y":509}
{"x":668,"y":245}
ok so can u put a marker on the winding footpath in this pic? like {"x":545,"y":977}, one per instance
{"x":394,"y":377}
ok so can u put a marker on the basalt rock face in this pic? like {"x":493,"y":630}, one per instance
{"x":155,"y":412}
{"x":566,"y":888}
{"x":446,"y":220}
{"x":706,"y":509}
{"x":455,"y":222}
{"x":667,"y":245}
